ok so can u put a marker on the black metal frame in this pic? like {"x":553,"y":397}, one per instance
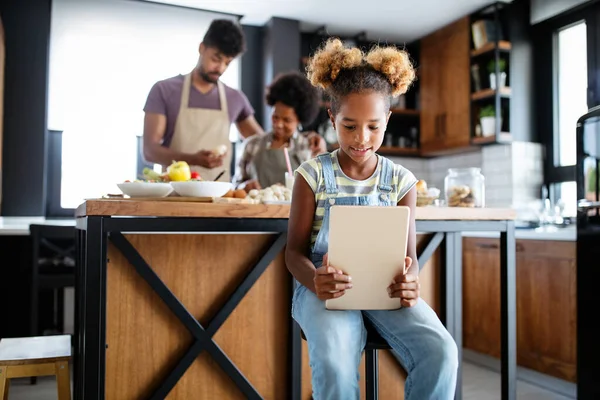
{"x":94,"y":232}
{"x":546,"y":86}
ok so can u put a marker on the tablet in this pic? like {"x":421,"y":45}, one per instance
{"x":369,"y":244}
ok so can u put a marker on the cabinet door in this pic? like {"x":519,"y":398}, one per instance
{"x":429,"y":91}
{"x":546,"y":303}
{"x":445,"y":88}
{"x":546,"y":307}
{"x":455,"y":65}
{"x":481,"y":295}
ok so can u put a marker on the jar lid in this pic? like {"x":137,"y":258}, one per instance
{"x":471,"y":170}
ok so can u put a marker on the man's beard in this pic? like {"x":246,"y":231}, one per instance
{"x":207,"y":77}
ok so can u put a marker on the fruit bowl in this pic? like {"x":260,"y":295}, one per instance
{"x":145,"y":189}
{"x":201,"y":188}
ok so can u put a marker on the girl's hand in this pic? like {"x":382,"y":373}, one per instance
{"x":406,"y":286}
{"x":251,"y":184}
{"x":330,"y":283}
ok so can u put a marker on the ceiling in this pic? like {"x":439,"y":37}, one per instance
{"x":398,"y":21}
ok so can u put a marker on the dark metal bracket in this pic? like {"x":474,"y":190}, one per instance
{"x":432,"y":245}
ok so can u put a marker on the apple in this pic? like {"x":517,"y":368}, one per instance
{"x":196,"y":175}
{"x":179,"y":171}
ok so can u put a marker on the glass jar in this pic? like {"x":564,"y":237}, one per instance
{"x":465,"y":187}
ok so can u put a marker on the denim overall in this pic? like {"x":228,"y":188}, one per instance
{"x":336,"y":339}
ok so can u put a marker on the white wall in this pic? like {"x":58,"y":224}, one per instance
{"x":513,"y":172}
{"x":105,"y":55}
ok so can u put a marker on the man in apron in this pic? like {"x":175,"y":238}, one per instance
{"x":188,"y":117}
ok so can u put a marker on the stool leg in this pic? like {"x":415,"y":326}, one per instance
{"x":63,"y":380}
{"x":4,"y":383}
{"x":372,"y":375}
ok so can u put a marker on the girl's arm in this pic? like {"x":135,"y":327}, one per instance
{"x":299,"y":230}
{"x":410,"y":200}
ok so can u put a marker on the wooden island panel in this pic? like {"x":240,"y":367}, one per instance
{"x":145,"y":339}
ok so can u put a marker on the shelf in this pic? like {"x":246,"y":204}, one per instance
{"x":504,"y":137}
{"x":405,"y":111}
{"x":487,"y":93}
{"x":503,"y":45}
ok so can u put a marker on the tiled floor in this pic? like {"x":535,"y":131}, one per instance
{"x":478,"y":384}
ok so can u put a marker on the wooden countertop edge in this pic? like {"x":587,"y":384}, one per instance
{"x":131,"y":208}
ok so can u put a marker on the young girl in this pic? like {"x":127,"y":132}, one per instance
{"x":294,"y":102}
{"x":360,"y":86}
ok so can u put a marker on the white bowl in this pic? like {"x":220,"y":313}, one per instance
{"x":201,"y":188}
{"x":145,"y":189}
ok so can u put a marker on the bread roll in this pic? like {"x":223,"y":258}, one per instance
{"x":421,"y":187}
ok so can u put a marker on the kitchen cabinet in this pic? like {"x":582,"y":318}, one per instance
{"x":445,"y":89}
{"x":546,"y":303}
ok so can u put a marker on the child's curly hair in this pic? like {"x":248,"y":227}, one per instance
{"x":294,"y":90}
{"x":341,"y":71}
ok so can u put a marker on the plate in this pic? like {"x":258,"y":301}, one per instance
{"x":201,"y":188}
{"x":145,"y":189}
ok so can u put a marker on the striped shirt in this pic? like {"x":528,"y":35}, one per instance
{"x":312,"y":171}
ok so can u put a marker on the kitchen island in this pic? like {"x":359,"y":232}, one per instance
{"x":192,"y":300}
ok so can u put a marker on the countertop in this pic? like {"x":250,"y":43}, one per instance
{"x":19,"y":226}
{"x":568,"y":234}
{"x":170,"y":208}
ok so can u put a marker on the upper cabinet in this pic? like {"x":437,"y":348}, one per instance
{"x":445,"y":89}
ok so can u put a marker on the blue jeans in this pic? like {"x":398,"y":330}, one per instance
{"x":336,"y":340}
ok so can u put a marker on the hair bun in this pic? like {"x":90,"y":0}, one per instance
{"x":325,"y":66}
{"x":395,"y":64}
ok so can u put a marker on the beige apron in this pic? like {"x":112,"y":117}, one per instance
{"x":269,"y":166}
{"x":203,"y":129}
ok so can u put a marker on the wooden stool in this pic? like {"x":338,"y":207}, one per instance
{"x":36,"y":356}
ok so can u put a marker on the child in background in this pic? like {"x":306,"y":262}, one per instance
{"x":360,"y":86}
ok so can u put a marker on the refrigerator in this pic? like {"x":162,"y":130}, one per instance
{"x":588,"y":255}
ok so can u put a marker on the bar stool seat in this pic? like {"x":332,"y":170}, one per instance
{"x":374,"y":342}
{"x":36,"y":356}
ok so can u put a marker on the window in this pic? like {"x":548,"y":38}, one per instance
{"x":564,"y":195}
{"x":104,"y":57}
{"x":571,"y":83}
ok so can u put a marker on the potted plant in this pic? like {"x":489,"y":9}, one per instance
{"x":492,"y":72}
{"x":590,"y":192}
{"x":487,"y":117}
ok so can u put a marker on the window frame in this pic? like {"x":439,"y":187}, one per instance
{"x":546,"y":61}
{"x":53,"y":138}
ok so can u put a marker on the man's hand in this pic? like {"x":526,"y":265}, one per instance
{"x":208,"y":159}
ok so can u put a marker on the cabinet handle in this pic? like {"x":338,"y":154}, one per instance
{"x":519,"y":247}
{"x":487,"y":246}
{"x":443,"y":123}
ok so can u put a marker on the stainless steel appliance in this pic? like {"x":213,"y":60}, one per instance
{"x":588,"y":255}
